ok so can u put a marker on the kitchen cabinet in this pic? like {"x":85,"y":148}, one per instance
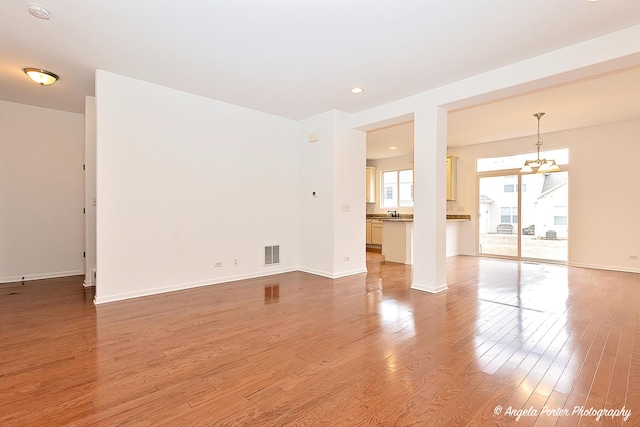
{"x":376,"y":232}
{"x":371,"y":184}
{"x":397,"y":241}
{"x":452,"y":178}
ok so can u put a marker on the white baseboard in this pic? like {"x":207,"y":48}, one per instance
{"x":466,"y":253}
{"x":40,"y":276}
{"x":349,"y":273}
{"x":316,"y":272}
{"x":604,"y":267}
{"x":428,"y":288}
{"x":332,"y":275}
{"x":182,"y":286}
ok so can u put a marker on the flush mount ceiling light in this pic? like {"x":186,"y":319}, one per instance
{"x":539,"y":165}
{"x":39,"y":11}
{"x":356,"y":90}
{"x":40,"y":76}
{"x":392,"y":148}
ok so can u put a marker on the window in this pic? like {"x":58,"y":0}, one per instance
{"x":560,"y":220}
{"x":510,"y":184}
{"x":509,"y":215}
{"x":560,"y":215}
{"x":397,"y":188}
{"x":390,"y":186}
{"x":561,"y":156}
{"x":406,"y":187}
{"x":389,"y":194}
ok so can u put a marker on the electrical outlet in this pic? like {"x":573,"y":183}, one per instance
{"x":235,"y":262}
{"x":347,"y":258}
{"x":633,"y":257}
{"x":218,"y":264}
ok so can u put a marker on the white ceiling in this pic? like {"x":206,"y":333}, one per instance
{"x":289,"y":58}
{"x":380,"y":141}
{"x":607,"y":98}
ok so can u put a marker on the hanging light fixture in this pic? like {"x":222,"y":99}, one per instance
{"x":42,"y":77}
{"x":539,"y":165}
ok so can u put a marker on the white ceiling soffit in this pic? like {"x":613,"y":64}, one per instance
{"x":288,"y":58}
{"x":380,"y":141}
{"x":609,"y":98}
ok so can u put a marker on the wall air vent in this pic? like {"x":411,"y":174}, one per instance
{"x":272,"y":255}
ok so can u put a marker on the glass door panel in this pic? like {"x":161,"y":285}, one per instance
{"x":498,"y":222}
{"x":545,"y":201}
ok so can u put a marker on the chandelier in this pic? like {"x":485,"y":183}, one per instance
{"x":539,"y":165}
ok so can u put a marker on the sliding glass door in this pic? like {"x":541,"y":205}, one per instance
{"x":545,"y":216}
{"x":524,"y":216}
{"x":498,"y":221}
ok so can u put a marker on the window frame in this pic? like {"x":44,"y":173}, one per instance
{"x":396,"y":189}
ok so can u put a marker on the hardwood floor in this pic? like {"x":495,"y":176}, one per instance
{"x":297,"y":349}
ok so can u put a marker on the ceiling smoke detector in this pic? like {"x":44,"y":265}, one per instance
{"x":39,"y":11}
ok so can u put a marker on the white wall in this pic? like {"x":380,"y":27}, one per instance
{"x":349,"y":160}
{"x":609,"y":52}
{"x":382,"y":165}
{"x":41,"y":189}
{"x":167,"y":209}
{"x":603,"y":201}
{"x":604,"y":205}
{"x":332,"y":223}
{"x":90,"y":190}
{"x":315,"y":195}
{"x":184,"y":182}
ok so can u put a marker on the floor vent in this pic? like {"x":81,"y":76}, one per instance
{"x":272,"y":255}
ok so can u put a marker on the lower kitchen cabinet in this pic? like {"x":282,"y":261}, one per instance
{"x":376,"y":232}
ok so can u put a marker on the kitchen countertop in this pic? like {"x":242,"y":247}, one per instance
{"x":388,"y":217}
{"x":457,"y":217}
{"x":409,"y":217}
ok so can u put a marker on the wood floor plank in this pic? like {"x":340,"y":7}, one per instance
{"x":298,"y":349}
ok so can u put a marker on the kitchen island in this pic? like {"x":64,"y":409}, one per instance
{"x":397,"y":240}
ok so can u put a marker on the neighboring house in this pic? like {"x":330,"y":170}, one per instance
{"x":487,"y":212}
{"x":551,"y":210}
{"x":544,"y":204}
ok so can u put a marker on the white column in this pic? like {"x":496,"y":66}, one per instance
{"x":332,"y":206}
{"x":430,"y":154}
{"x":90,"y":190}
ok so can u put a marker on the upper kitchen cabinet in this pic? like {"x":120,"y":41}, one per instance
{"x":371,"y":184}
{"x":452,"y":178}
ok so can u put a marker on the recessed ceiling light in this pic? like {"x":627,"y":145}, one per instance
{"x":392,"y":148}
{"x":356,"y":90}
{"x":39,"y":11}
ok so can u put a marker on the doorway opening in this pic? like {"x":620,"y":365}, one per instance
{"x":523,"y":216}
